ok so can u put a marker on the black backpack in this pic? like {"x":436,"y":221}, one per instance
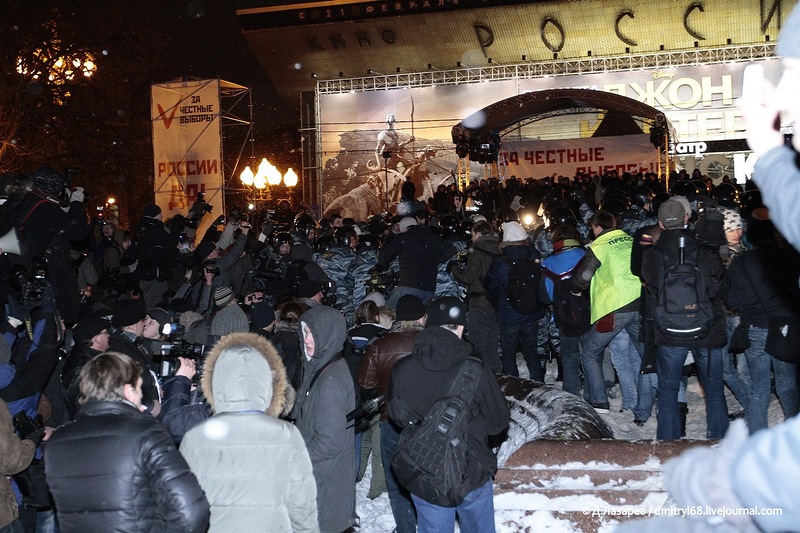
{"x":523,"y":286}
{"x":430,"y":459}
{"x":683,"y":310}
{"x":572,"y":312}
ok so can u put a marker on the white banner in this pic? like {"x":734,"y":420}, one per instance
{"x":187,"y":147}
{"x":539,"y":159}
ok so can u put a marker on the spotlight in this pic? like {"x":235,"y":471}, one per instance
{"x":313,"y":74}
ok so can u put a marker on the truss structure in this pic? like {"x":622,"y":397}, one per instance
{"x":554,"y":67}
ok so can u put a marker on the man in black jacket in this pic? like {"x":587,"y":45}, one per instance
{"x":158,"y":254}
{"x":419,"y":251}
{"x":128,"y":326}
{"x":671,"y":351}
{"x":420,"y":380}
{"x":115,"y":468}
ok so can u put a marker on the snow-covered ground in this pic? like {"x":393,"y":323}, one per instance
{"x":376,"y":515}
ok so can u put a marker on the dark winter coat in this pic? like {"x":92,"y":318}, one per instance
{"x":15,"y":456}
{"x":158,"y":251}
{"x":473,"y":274}
{"x":121,"y":342}
{"x":116,"y":469}
{"x":320,"y":413}
{"x":425,"y":376}
{"x":763,"y":283}
{"x":77,"y":358}
{"x":181,"y":408}
{"x":376,"y":367}
{"x":710,"y":264}
{"x":48,"y":231}
{"x":497,"y":281}
{"x":419,"y":251}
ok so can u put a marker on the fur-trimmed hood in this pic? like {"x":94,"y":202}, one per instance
{"x":244,"y":372}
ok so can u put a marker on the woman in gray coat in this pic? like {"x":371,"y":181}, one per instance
{"x":254,"y":467}
{"x":325,"y":397}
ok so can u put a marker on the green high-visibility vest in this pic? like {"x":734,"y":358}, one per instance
{"x":613,"y":286}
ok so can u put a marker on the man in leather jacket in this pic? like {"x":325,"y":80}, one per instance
{"x":115,"y":467}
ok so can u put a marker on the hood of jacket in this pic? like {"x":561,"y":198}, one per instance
{"x":488,"y":244}
{"x":329,"y":329}
{"x":244,"y":372}
{"x":438,"y":348}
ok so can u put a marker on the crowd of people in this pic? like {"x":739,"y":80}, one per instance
{"x":304,"y":321}
{"x":153,"y":379}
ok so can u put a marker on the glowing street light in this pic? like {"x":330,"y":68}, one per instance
{"x":290,"y":178}
{"x":247,"y":176}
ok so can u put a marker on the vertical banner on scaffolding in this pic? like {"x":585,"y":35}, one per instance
{"x":187,"y":147}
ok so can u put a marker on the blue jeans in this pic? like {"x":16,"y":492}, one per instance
{"x":475,"y":514}
{"x":761,"y":366}
{"x":592,"y":357}
{"x":627,"y":362}
{"x":399,"y":498}
{"x":571,"y":364}
{"x":400,"y":290}
{"x":647,"y":391}
{"x":758,"y":363}
{"x":669,"y":365}
{"x":730,"y":368}
{"x":523,"y":335}
{"x":786,"y":386}
{"x":13,"y":527}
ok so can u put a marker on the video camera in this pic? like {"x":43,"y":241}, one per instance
{"x":210,"y":267}
{"x":31,"y":284}
{"x":166,"y":359}
{"x":382,"y":282}
{"x":29,"y":428}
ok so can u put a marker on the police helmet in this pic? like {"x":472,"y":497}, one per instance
{"x":726,"y":195}
{"x":641,"y":196}
{"x":562,"y":215}
{"x":344,"y":235}
{"x":449,"y":226}
{"x":615,"y":206}
{"x":684,"y":188}
{"x":304,"y":223}
{"x":281,"y":238}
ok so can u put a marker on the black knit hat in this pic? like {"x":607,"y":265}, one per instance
{"x":409,"y":307}
{"x":89,"y":327}
{"x":126,"y":313}
{"x":151,"y":210}
{"x":446,"y":310}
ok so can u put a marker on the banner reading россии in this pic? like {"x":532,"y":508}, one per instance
{"x":187,"y":146}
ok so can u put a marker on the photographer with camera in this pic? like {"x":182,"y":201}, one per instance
{"x":91,"y":339}
{"x":127,"y":319}
{"x":47,"y":219}
{"x":213,"y":270}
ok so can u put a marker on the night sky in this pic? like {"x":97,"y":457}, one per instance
{"x":208,"y":43}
